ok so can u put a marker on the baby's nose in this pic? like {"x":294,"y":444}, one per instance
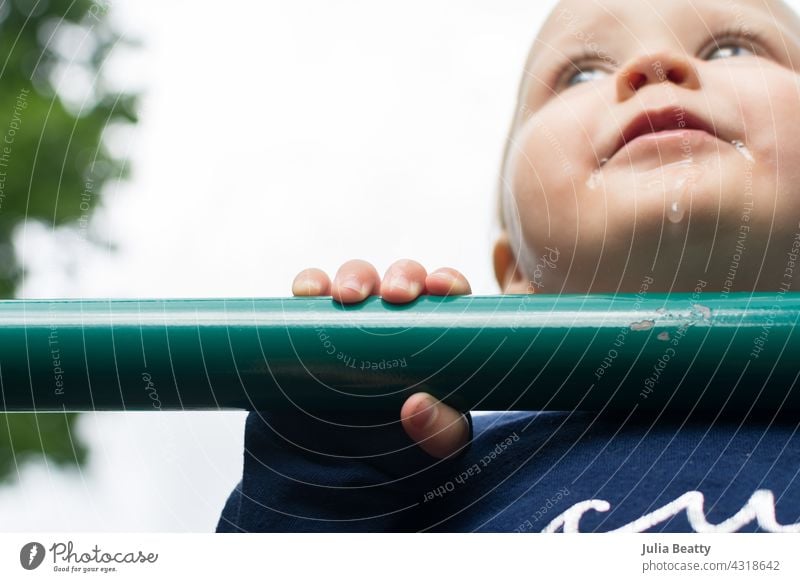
{"x":656,"y":68}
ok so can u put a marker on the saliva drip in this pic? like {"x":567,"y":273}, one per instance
{"x":595,"y":180}
{"x":742,"y":149}
{"x":676,"y":210}
{"x":676,"y":196}
{"x":676,"y":206}
{"x":676,"y":203}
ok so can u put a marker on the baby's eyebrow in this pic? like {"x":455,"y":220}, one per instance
{"x":583,"y":29}
{"x":603,"y":32}
{"x":594,"y":23}
{"x":598,"y":24}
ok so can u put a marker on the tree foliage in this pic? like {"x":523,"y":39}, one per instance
{"x":56,"y":103}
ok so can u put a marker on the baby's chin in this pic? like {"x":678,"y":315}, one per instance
{"x":670,"y":221}
{"x":704,"y":192}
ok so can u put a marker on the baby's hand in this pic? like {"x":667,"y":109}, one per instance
{"x":437,"y":428}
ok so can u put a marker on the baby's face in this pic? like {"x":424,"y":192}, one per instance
{"x":660,"y":139}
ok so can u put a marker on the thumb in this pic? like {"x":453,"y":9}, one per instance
{"x":438,"y":429}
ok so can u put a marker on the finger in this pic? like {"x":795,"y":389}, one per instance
{"x":310,"y":282}
{"x":355,"y":281}
{"x":404,"y":281}
{"x":438,"y":429}
{"x":447,"y":281}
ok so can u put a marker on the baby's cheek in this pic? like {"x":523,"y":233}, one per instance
{"x":786,"y":140}
{"x":775,"y":127}
{"x":771,"y":110}
{"x":551,"y":160}
{"x":541,"y":177}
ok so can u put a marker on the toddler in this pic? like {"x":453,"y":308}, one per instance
{"x":653,"y":141}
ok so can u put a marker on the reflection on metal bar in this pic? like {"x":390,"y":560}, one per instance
{"x":678,"y":352}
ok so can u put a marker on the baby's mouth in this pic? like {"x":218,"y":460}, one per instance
{"x":670,"y":134}
{"x":668,"y":149}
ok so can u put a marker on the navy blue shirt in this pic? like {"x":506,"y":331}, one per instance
{"x":523,"y":472}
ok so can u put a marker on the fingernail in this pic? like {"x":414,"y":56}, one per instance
{"x":402,"y":283}
{"x":426,"y":415}
{"x":309,"y":285}
{"x":399,"y":282}
{"x":352,"y":283}
{"x":444,"y":277}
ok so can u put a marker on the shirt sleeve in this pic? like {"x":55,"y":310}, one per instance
{"x":345,"y":472}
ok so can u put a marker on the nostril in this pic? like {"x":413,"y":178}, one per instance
{"x":676,"y":76}
{"x":636,"y":80}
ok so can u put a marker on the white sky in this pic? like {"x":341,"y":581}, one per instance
{"x":281,"y":135}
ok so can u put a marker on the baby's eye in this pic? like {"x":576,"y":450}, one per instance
{"x":729,"y":50}
{"x":582,"y":76}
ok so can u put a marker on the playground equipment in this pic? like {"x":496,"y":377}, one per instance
{"x":680,"y":352}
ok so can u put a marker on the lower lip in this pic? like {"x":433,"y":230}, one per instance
{"x":684,"y":142}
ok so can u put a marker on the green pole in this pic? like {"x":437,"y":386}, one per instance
{"x":680,"y":352}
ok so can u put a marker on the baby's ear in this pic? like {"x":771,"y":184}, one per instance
{"x":506,"y":268}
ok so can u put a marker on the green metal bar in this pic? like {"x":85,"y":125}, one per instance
{"x":544,"y":352}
